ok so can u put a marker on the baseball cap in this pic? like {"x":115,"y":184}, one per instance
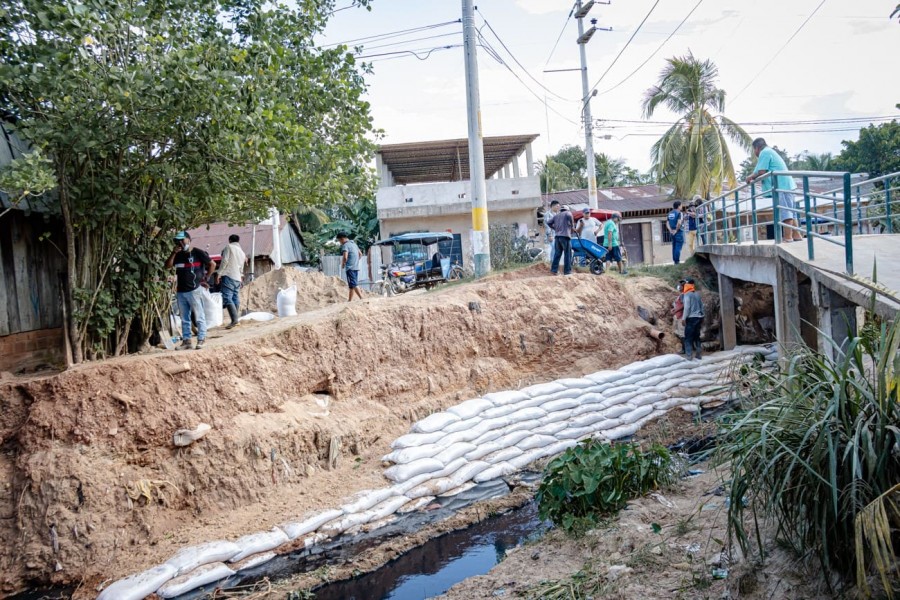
{"x":182,"y":235}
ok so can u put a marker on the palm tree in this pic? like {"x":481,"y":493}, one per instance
{"x":693,"y":154}
{"x":815,"y":162}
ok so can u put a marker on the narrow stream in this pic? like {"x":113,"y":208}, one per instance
{"x":434,"y":567}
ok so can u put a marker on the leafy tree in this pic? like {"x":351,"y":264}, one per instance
{"x":877,"y":152}
{"x":693,"y":154}
{"x":567,"y":170}
{"x":749,"y":163}
{"x":161,"y":115}
{"x":556,"y":176}
{"x":809,"y":161}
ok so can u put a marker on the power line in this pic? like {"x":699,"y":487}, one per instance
{"x":658,"y":48}
{"x":496,"y":56}
{"x":767,"y":123}
{"x":521,"y":66}
{"x":392,"y":34}
{"x":749,"y":133}
{"x":415,"y":52}
{"x":771,"y":60}
{"x":420,"y":39}
{"x":561,"y":32}
{"x":628,"y":43}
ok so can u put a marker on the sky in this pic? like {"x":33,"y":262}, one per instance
{"x":838,"y":66}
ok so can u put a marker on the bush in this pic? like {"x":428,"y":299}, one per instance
{"x":507,"y":249}
{"x":817,"y":453}
{"x":596,"y":478}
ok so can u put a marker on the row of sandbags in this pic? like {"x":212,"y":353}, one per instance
{"x":449,"y":452}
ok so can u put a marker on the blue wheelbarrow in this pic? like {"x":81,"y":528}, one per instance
{"x":590,"y":253}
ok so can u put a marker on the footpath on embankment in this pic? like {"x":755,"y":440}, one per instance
{"x":301,"y":410}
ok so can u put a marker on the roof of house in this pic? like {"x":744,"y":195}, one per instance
{"x":628,"y":200}
{"x":214,"y":237}
{"x":448,"y":160}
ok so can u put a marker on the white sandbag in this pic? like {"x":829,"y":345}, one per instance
{"x":488,"y":436}
{"x":512,"y":438}
{"x":590,"y":398}
{"x":259,"y":542}
{"x":313,"y":539}
{"x":535,"y":441}
{"x":604,"y":425}
{"x":507,"y":397}
{"x":588,"y":419}
{"x":309,"y":523}
{"x":552,"y":428}
{"x":621,"y":431}
{"x":408,"y":455}
{"x":469,"y":471}
{"x":567,"y":393}
{"x":257,"y":316}
{"x":605,"y":376}
{"x":414,"y":440}
{"x":212,"y":309}
{"x":286,"y":301}
{"x":526,"y":426}
{"x":646,"y":399}
{"x":414,"y":505}
{"x":636,"y":414}
{"x":503,"y":455}
{"x":366,"y":499}
{"x":253,"y":561}
{"x":621,"y":390}
{"x":196,"y":578}
{"x":560,"y":447}
{"x":432,"y":487}
{"x":400,"y":473}
{"x":434,"y":422}
{"x":188,"y":559}
{"x":574,"y":433}
{"x":690,"y":408}
{"x":586,"y":409}
{"x":462,"y":425}
{"x":526,"y":458}
{"x":455,"y":451}
{"x":561,"y":404}
{"x":669,"y":403}
{"x":618,"y":411}
{"x":459,"y":490}
{"x":482,"y":450}
{"x":557,"y":416}
{"x":527,"y":414}
{"x":470,"y":408}
{"x":386,"y":508}
{"x":500,"y":411}
{"x":498,"y":470}
{"x":663,"y":360}
{"x":543,"y":389}
{"x":473,"y":433}
{"x":575,"y":382}
{"x":139,"y":585}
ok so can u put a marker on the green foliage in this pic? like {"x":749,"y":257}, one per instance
{"x":693,"y":154}
{"x":877,"y":152}
{"x":30,"y":175}
{"x":567,"y":170}
{"x":877,"y":207}
{"x":596,"y":478}
{"x":160,"y":115}
{"x":749,"y":163}
{"x":507,"y":248}
{"x":816,"y":448}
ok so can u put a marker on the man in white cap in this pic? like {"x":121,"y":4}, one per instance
{"x":192,"y":269}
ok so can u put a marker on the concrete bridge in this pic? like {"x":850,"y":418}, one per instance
{"x":847,"y":261}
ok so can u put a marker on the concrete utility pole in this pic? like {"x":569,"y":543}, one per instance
{"x":581,"y":12}
{"x":481,"y":241}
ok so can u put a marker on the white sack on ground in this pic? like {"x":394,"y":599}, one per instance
{"x":535,"y":441}
{"x":286,"y":301}
{"x":498,"y":470}
{"x":507,"y":397}
{"x":526,"y":426}
{"x":576,"y":382}
{"x":408,"y":455}
{"x":455,"y":451}
{"x":258,"y":542}
{"x":501,"y":456}
{"x":188,"y":559}
{"x":561,"y":404}
{"x":198,"y":577}
{"x":552,"y":428}
{"x":413,"y":440}
{"x":308,"y":524}
{"x":138,"y":586}
{"x":400,"y":473}
{"x":367,"y":499}
{"x":435,"y":422}
{"x":471,"y":408}
{"x":253,"y":561}
{"x":543,"y":389}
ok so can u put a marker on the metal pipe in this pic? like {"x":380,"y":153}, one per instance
{"x":810,"y":247}
{"x":887,"y":204}
{"x":848,"y":226}
{"x":753,"y":212}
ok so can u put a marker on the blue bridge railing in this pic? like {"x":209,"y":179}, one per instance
{"x":826,"y":205}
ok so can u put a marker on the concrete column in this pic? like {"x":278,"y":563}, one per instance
{"x":836,"y":320}
{"x":515,"y":166}
{"x":529,"y":161}
{"x":787,"y":304}
{"x":380,"y":169}
{"x":506,"y":171}
{"x":726,"y":310}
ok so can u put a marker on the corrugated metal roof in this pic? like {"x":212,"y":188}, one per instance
{"x":448,"y":160}
{"x":626,"y":200}
{"x":214,"y":237}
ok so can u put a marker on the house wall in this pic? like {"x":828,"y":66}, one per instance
{"x":453,"y":196}
{"x":656,"y":251}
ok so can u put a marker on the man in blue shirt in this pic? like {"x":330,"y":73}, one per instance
{"x":350,"y":255}
{"x":769,"y":160}
{"x":675,"y":225}
{"x":691,"y":215}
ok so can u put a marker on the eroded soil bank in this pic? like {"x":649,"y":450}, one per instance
{"x":301,"y":411}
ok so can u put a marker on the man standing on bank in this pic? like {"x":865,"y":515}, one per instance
{"x":769,"y":160}
{"x":231,"y":272}
{"x":675,"y":225}
{"x":350,"y":255}
{"x":192,"y":269}
{"x":693,"y":319}
{"x":562,"y":223}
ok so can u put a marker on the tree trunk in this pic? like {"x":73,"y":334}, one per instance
{"x":71,"y":325}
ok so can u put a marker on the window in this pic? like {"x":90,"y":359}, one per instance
{"x":666,"y":236}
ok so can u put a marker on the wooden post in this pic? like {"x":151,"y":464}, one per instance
{"x":726,"y":311}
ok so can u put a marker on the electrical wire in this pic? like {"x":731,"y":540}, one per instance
{"x":658,"y":48}
{"x":628,"y":43}
{"x":771,"y":60}
{"x":420,"y":39}
{"x":561,"y":32}
{"x":406,"y":53}
{"x":521,"y":66}
{"x":415,"y":52}
{"x":392,"y":34}
{"x":769,"y":123}
{"x":755,"y":133}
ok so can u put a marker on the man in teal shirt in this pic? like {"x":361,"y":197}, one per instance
{"x":768,"y":160}
{"x":611,"y":241}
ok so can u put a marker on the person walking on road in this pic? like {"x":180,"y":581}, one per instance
{"x":769,"y":160}
{"x":350,"y":255}
{"x":675,"y":225}
{"x":192,"y":270}
{"x":231,"y":271}
{"x":611,"y":241}
{"x":563,"y":225}
{"x":693,"y":319}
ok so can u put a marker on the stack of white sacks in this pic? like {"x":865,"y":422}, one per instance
{"x":449,"y":452}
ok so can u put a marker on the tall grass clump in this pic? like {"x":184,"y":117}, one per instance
{"x":817,"y":454}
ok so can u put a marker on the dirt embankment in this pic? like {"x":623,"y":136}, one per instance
{"x":314,"y":290}
{"x":301,"y":411}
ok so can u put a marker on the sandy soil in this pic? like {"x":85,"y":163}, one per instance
{"x":93,"y":488}
{"x":314,"y":290}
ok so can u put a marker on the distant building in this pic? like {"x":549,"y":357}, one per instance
{"x":267,"y":255}
{"x":424,"y":186}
